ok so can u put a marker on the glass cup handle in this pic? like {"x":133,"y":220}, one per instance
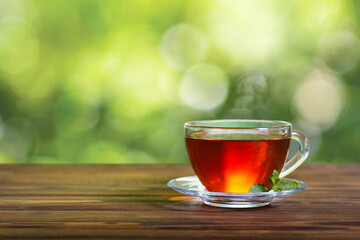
{"x":299,"y":157}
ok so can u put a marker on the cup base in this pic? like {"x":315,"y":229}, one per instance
{"x":228,"y":200}
{"x":237,"y":204}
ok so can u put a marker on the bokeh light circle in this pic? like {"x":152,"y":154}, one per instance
{"x":340,"y":50}
{"x":204,"y":87}
{"x":320,"y":98}
{"x":183,"y":46}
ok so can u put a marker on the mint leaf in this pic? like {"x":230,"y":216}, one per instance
{"x":274,"y":178}
{"x":285,"y":184}
{"x":278,"y":184}
{"x":258,"y":187}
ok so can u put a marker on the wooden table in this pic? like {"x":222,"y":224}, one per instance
{"x":133,"y":201}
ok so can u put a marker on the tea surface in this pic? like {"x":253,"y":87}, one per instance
{"x":228,"y":165}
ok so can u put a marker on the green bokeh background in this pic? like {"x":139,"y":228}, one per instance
{"x":85,"y":81}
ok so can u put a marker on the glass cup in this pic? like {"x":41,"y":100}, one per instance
{"x":230,"y":156}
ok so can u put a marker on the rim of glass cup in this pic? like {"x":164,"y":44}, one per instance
{"x":197,"y":124}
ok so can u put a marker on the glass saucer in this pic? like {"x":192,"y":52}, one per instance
{"x":192,"y":186}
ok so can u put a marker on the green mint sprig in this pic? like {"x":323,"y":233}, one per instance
{"x":277,"y":184}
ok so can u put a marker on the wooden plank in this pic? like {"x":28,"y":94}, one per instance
{"x":133,"y":201}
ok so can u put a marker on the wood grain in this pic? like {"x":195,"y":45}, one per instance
{"x":133,"y":201}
